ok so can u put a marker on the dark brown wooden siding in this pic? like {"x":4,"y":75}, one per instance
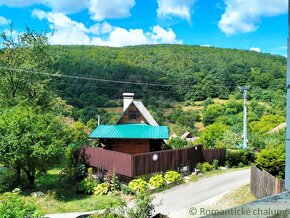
{"x":130,"y":146}
{"x":215,"y":153}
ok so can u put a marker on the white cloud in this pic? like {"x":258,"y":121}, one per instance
{"x":98,"y":9}
{"x":205,"y":45}
{"x":3,"y":21}
{"x":242,"y":16}
{"x":101,"y":9}
{"x":68,"y":31}
{"x":175,"y":8}
{"x":103,"y":28}
{"x":122,"y":37}
{"x":255,"y":49}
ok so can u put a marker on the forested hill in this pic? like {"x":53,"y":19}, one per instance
{"x":193,"y":73}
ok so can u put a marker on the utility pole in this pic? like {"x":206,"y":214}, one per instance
{"x":245,"y":138}
{"x":287,"y":164}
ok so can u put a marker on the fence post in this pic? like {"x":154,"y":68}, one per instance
{"x":276,"y":186}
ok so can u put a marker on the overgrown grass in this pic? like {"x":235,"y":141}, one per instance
{"x":237,"y":197}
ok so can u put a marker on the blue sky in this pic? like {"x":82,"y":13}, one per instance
{"x":259,"y":25}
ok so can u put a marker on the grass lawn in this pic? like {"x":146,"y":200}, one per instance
{"x":237,"y":197}
{"x":47,"y":184}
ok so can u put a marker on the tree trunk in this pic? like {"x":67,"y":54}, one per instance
{"x":18,"y":175}
{"x":30,"y":175}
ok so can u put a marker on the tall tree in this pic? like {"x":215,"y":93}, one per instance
{"x":24,"y":60}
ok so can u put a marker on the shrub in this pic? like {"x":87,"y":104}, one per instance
{"x":7,"y":179}
{"x":157,"y":181}
{"x":172,"y":176}
{"x":236,"y":156}
{"x":215,"y":164}
{"x":138,"y":185}
{"x":102,"y":189}
{"x":177,"y":142}
{"x":199,"y":166}
{"x":112,"y":179}
{"x":206,"y":167}
{"x":125,"y":189}
{"x":272,"y":160}
{"x":144,"y":207}
{"x":14,"y":207}
{"x":88,"y":184}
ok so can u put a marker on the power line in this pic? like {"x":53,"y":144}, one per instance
{"x":87,"y":78}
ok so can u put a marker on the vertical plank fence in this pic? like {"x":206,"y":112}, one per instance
{"x":263,"y":184}
{"x":215,"y":154}
{"x":143,"y":163}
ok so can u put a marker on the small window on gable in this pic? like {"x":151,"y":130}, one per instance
{"x":133,"y":115}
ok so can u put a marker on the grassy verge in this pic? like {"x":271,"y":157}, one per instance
{"x":194,"y":178}
{"x":237,"y":197}
{"x":51,"y":203}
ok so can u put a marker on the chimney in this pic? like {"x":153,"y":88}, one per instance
{"x":127,"y":99}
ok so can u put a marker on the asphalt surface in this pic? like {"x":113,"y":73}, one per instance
{"x":176,"y":202}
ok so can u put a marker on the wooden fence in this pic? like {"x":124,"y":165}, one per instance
{"x":215,"y":153}
{"x":263,"y":184}
{"x":144,"y":163}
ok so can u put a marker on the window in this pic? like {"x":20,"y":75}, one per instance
{"x":133,"y":115}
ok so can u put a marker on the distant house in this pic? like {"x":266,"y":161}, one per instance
{"x":188,"y":137}
{"x":136,"y":131}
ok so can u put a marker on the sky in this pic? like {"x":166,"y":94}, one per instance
{"x":258,"y":25}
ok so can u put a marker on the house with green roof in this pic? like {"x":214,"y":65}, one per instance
{"x":136,"y":131}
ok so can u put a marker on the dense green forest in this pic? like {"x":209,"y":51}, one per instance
{"x":194,"y":74}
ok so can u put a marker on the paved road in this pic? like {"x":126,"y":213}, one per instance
{"x":176,"y":201}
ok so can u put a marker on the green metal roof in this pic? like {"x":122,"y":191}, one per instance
{"x":130,"y":131}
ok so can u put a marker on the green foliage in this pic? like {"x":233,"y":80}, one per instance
{"x":74,"y":171}
{"x":138,"y":185}
{"x":198,"y":166}
{"x":88,"y":184}
{"x":205,"y":72}
{"x":112,"y":179}
{"x":14,"y":207}
{"x":184,"y":118}
{"x":157,"y":181}
{"x":125,"y":189}
{"x":102,"y":189}
{"x":215,"y":164}
{"x":207,"y":167}
{"x":7,"y":179}
{"x":177,"y":142}
{"x":211,"y":134}
{"x":212,"y":113}
{"x":144,"y":207}
{"x":266,"y":123}
{"x":229,"y":140}
{"x":234,"y":157}
{"x":172,"y":176}
{"x":29,"y":140}
{"x":272,"y":160}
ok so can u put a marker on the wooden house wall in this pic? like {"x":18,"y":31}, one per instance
{"x":130,"y":146}
{"x":126,"y":117}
